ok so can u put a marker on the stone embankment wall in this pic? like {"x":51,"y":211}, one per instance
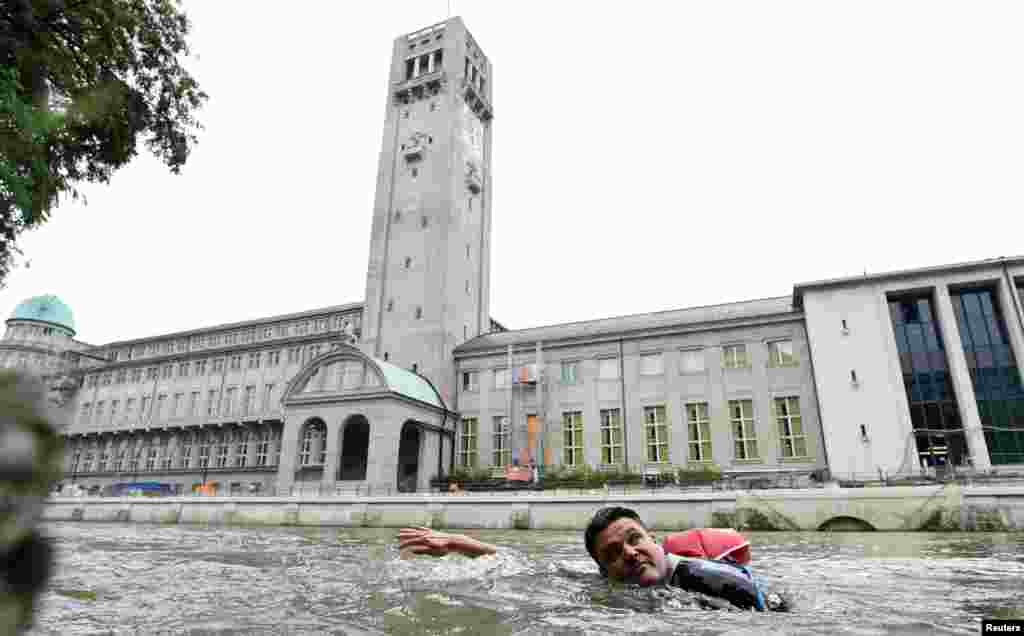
{"x":950,"y":507}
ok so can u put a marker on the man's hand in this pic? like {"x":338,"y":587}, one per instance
{"x":424,"y":541}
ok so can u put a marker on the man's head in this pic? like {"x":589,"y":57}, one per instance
{"x":623,"y":548}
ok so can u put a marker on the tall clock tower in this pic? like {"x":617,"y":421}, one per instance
{"x":428,"y":280}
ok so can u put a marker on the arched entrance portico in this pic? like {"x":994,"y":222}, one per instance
{"x":355,"y":446}
{"x":408,"y":457}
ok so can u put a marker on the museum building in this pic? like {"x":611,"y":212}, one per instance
{"x":880,"y":375}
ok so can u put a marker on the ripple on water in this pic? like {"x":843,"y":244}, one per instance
{"x":177,"y":579}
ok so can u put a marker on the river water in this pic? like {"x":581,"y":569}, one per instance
{"x":139,"y":579}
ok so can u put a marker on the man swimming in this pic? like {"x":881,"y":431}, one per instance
{"x":626,"y":551}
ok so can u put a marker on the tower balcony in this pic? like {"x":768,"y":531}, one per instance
{"x":417,"y":88}
{"x":473,"y":183}
{"x":413,"y":152}
{"x":476,"y":101}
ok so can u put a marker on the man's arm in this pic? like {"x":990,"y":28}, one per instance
{"x":426,"y":541}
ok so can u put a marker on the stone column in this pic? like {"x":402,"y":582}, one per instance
{"x":1008,"y":304}
{"x":382,"y":453}
{"x":961,"y":378}
{"x":332,"y":458}
{"x":289,"y":451}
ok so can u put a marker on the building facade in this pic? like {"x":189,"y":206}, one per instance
{"x":877,"y":375}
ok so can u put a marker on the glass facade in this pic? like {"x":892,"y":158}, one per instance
{"x":994,"y":372}
{"x":933,"y":408}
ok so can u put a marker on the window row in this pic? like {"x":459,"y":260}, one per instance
{"x":790,"y":434}
{"x":230,"y":401}
{"x":255,"y":360}
{"x":423,"y":64}
{"x":734,"y":356}
{"x":230,"y":449}
{"x":232,"y":338}
{"x":34,"y":331}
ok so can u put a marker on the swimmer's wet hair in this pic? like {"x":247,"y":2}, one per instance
{"x":601,"y":520}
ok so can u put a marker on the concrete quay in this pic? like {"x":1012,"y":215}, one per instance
{"x":910,"y":508}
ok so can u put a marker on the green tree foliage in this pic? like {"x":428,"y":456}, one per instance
{"x":81,"y":84}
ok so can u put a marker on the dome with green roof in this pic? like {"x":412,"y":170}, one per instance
{"x":47,"y":308}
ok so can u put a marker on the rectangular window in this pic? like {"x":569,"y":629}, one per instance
{"x":992,"y":365}
{"x":183,"y":369}
{"x":501,"y":379}
{"x":691,"y":361}
{"x":211,"y":402}
{"x":161,"y":403}
{"x":151,"y":373}
{"x":113,"y":409}
{"x":236,"y":363}
{"x":791,"y":429}
{"x":656,"y":433}
{"x":86,"y":413}
{"x":241,"y":448}
{"x":193,"y":404}
{"x":780,"y":354}
{"x":470,"y":381}
{"x":572,"y":438}
{"x":699,"y":426}
{"x":502,"y":451}
{"x":185,"y":451}
{"x":261,"y":448}
{"x":273,"y":358}
{"x":144,"y":407}
{"x":151,"y":455}
{"x":222,"y":451}
{"x":168,"y":371}
{"x":467,"y":442}
{"x":652,"y":364}
{"x":293,"y":355}
{"x":218,"y":365}
{"x":744,"y":436}
{"x":129,"y":407}
{"x":735,"y":356}
{"x":611,"y":436}
{"x":250,"y":400}
{"x":100,"y":408}
{"x":179,"y":404}
{"x":570,"y":372}
{"x":229,"y":401}
{"x":608,"y":368}
{"x":204,"y":451}
{"x":268,"y":396}
{"x":254,"y":361}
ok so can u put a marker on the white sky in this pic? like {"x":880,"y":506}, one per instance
{"x":647,"y":156}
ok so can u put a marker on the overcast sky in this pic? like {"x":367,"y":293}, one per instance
{"x":647,"y":156}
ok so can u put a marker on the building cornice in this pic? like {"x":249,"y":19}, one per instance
{"x":902,"y":274}
{"x":173,"y":358}
{"x":245,"y":324}
{"x":630,"y":334}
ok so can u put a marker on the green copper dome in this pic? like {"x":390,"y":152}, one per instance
{"x":45,"y":309}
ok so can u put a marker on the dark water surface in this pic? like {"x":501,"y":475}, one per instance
{"x":138,"y":579}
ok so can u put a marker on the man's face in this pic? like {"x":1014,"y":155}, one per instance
{"x":629,"y":553}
